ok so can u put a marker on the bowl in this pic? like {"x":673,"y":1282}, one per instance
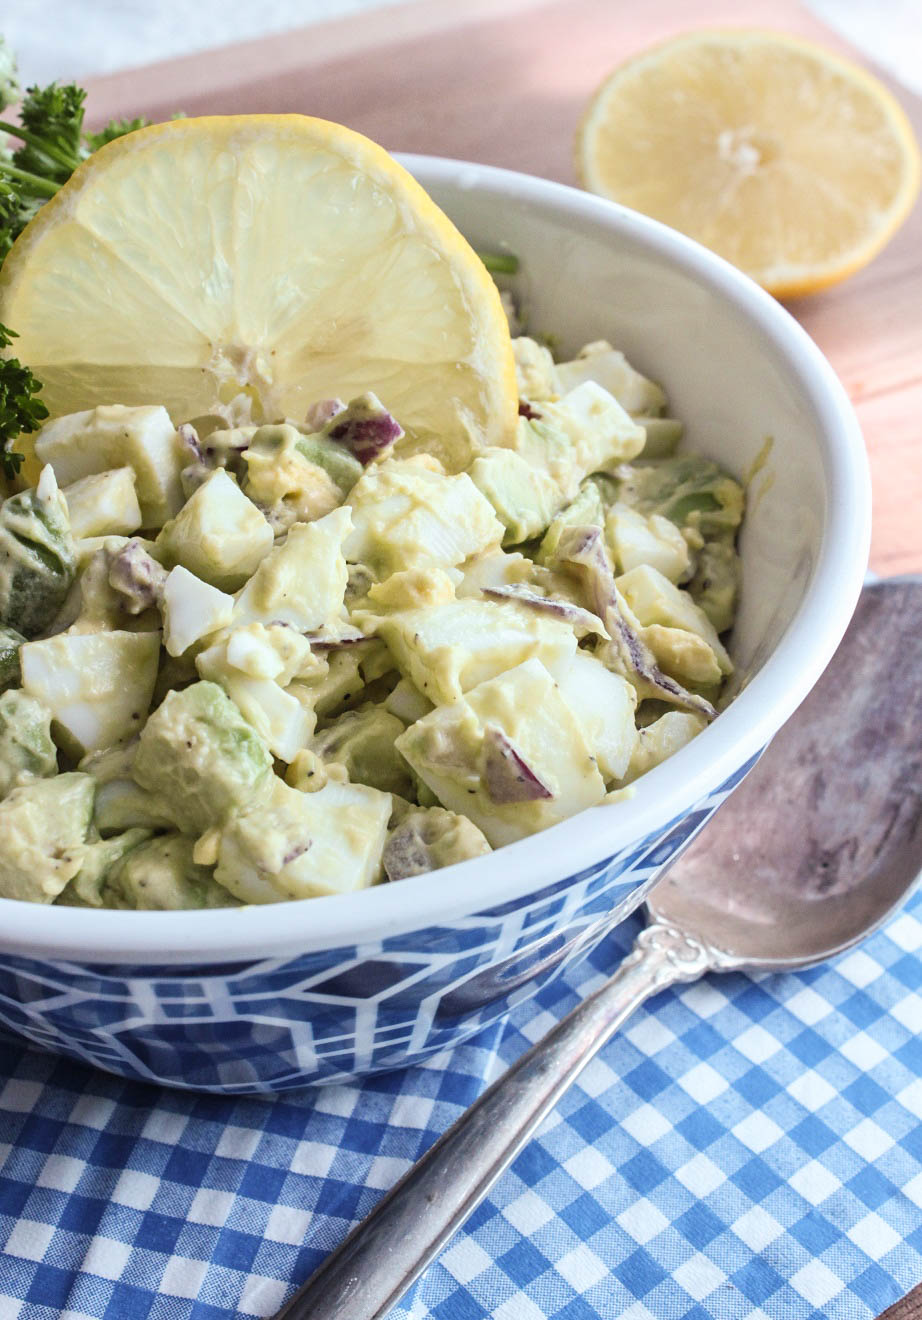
{"x":324,"y":990}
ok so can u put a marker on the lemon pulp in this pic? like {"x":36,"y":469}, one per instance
{"x":791,"y":162}
{"x":280,"y":256}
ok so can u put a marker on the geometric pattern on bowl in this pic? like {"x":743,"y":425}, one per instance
{"x":330,"y":1016}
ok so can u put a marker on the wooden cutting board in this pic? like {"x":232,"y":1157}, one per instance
{"x":505,"y":82}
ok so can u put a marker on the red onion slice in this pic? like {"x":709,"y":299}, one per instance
{"x":582,"y":550}
{"x":583,"y":620}
{"x":507,"y":776}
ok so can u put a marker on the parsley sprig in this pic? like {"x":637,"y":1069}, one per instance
{"x":20,"y":407}
{"x":48,"y":144}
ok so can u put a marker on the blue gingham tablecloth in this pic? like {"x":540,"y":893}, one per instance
{"x":745,"y":1148}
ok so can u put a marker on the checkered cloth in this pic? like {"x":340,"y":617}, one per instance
{"x":744,"y":1149}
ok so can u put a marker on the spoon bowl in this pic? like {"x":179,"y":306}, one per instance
{"x":823,"y":839}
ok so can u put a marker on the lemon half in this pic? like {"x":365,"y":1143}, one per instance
{"x":278,"y":255}
{"x":791,"y":162}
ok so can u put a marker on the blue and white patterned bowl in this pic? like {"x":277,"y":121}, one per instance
{"x":265,"y":999}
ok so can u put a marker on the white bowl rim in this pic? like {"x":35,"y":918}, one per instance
{"x":271,"y":932}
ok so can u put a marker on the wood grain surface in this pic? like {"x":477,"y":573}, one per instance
{"x":505,"y":82}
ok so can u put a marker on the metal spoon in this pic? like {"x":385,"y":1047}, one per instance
{"x":818,"y":846}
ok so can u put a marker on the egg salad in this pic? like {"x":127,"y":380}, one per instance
{"x":246,"y":663}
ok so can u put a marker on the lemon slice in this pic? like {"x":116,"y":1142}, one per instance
{"x":791,"y":162}
{"x":277,"y":255}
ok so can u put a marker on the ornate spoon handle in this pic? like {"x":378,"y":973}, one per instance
{"x":384,"y":1254}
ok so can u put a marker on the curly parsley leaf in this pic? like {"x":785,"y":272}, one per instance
{"x":52,"y":123}
{"x":20,"y":408}
{"x":115,"y":128}
{"x":16,"y":210}
{"x":41,"y":152}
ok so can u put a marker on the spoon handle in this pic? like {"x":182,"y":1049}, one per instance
{"x":384,"y":1254}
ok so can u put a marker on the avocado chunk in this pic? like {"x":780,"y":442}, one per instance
{"x":37,"y":560}
{"x":254,"y":664}
{"x":428,"y":838}
{"x":201,"y":757}
{"x":10,"y":642}
{"x":287,"y":485}
{"x":690,"y":491}
{"x":716,"y":582}
{"x":524,"y":498}
{"x":363,"y":741}
{"x":282,"y":722}
{"x":162,"y":876}
{"x":663,"y":435}
{"x":121,"y":804}
{"x":342,"y":469}
{"x":27,"y":751}
{"x":43,"y":827}
{"x":304,"y":845}
{"x":86,"y":888}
